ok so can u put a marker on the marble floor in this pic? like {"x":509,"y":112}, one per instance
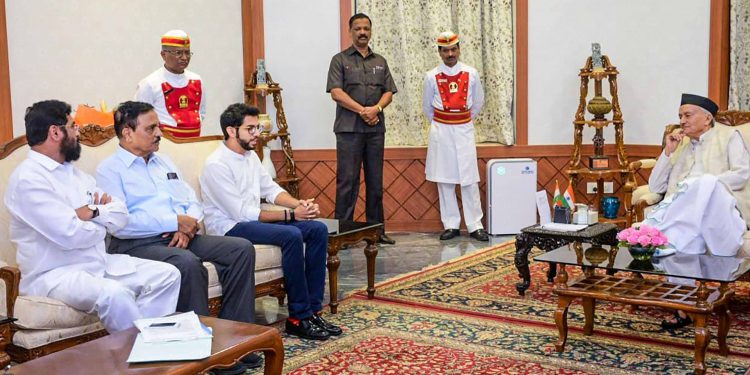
{"x":412,"y":252}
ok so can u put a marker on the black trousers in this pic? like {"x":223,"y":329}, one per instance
{"x":234,"y":259}
{"x":353,"y":152}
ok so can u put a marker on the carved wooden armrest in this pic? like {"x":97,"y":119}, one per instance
{"x":12,"y":278}
{"x":634,"y":209}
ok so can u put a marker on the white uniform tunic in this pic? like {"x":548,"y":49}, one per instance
{"x":63,"y":257}
{"x":149,"y":90}
{"x":452,"y":152}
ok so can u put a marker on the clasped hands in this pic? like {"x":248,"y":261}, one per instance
{"x":306,"y":210}
{"x":370,"y":115}
{"x":187,"y":227}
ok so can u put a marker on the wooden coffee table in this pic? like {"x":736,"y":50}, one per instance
{"x":345,"y":232}
{"x":700,"y":301}
{"x":108,"y":355}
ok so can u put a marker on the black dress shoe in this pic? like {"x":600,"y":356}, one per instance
{"x":384,"y":239}
{"x":306,"y":329}
{"x":480,"y":235}
{"x":252,"y":361}
{"x":237,"y":369}
{"x":322,"y":323}
{"x":450,"y":233}
{"x":678,"y":322}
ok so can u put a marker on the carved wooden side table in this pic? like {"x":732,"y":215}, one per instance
{"x":536,"y":236}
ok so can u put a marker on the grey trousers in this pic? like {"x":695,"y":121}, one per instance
{"x":234,"y":259}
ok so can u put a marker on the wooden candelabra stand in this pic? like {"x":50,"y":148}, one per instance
{"x":255,"y":96}
{"x":599,"y":107}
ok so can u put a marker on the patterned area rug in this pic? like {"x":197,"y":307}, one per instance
{"x":389,"y":338}
{"x":483,"y":284}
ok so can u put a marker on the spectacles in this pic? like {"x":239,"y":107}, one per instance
{"x":72,"y":126}
{"x":179,"y":53}
{"x":250,"y":128}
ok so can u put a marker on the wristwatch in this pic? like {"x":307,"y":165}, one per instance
{"x":94,"y":210}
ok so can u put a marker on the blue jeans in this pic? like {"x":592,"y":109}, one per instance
{"x":304,"y":248}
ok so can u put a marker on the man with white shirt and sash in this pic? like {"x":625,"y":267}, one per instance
{"x":452,"y":98}
{"x":59,"y":219}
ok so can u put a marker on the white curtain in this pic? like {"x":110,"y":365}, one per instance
{"x":404,"y":32}
{"x":739,"y":56}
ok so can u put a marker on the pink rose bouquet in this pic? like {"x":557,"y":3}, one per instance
{"x":644,"y":236}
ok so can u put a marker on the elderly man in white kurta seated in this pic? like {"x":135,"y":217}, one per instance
{"x":59,"y":219}
{"x":704,"y":171}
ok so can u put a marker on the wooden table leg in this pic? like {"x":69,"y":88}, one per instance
{"x":521,"y":260}
{"x":333,"y":263}
{"x":371,"y":251}
{"x":5,"y":338}
{"x":589,"y":306}
{"x":561,"y":321}
{"x":702,"y":338}
{"x":274,"y":357}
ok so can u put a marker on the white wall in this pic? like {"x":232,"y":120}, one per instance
{"x":301,"y":36}
{"x":659,"y":47}
{"x":85,"y":51}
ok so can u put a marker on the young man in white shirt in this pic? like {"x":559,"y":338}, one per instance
{"x":59,"y":219}
{"x":233,"y":182}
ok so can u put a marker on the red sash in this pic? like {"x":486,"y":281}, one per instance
{"x":183,"y":104}
{"x":454,"y":91}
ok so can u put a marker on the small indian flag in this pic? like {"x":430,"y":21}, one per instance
{"x":557,"y":199}
{"x":570,"y":199}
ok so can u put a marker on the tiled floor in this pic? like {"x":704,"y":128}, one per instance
{"x":412,"y":252}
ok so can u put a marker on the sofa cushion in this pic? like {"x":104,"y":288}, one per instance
{"x":46,"y":313}
{"x":34,"y":338}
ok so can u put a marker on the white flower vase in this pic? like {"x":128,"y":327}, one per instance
{"x":267,"y":163}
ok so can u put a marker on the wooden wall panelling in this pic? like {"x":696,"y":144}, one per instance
{"x":411,"y":203}
{"x":6,"y":111}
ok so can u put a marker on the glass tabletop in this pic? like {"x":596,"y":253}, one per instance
{"x":343,"y":227}
{"x":699,"y":267}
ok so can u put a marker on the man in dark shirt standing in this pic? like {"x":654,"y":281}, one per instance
{"x":361,"y":85}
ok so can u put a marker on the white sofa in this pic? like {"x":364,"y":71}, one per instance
{"x":46,"y":325}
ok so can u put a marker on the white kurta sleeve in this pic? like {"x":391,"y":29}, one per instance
{"x":428,"y":92}
{"x":477,"y":96}
{"x":37,"y":204}
{"x":659,"y":179}
{"x":739,"y":163}
{"x":269,"y":189}
{"x":218,"y":186}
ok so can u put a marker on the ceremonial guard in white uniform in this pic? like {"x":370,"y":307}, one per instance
{"x":176,"y":93}
{"x":452,"y":98}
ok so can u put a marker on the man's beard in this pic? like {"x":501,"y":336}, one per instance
{"x":245,"y":144}
{"x":70,"y":148}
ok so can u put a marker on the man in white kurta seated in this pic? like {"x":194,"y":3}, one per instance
{"x":177,"y":94}
{"x":59,"y":220}
{"x":452,"y":98}
{"x":703,"y":172}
